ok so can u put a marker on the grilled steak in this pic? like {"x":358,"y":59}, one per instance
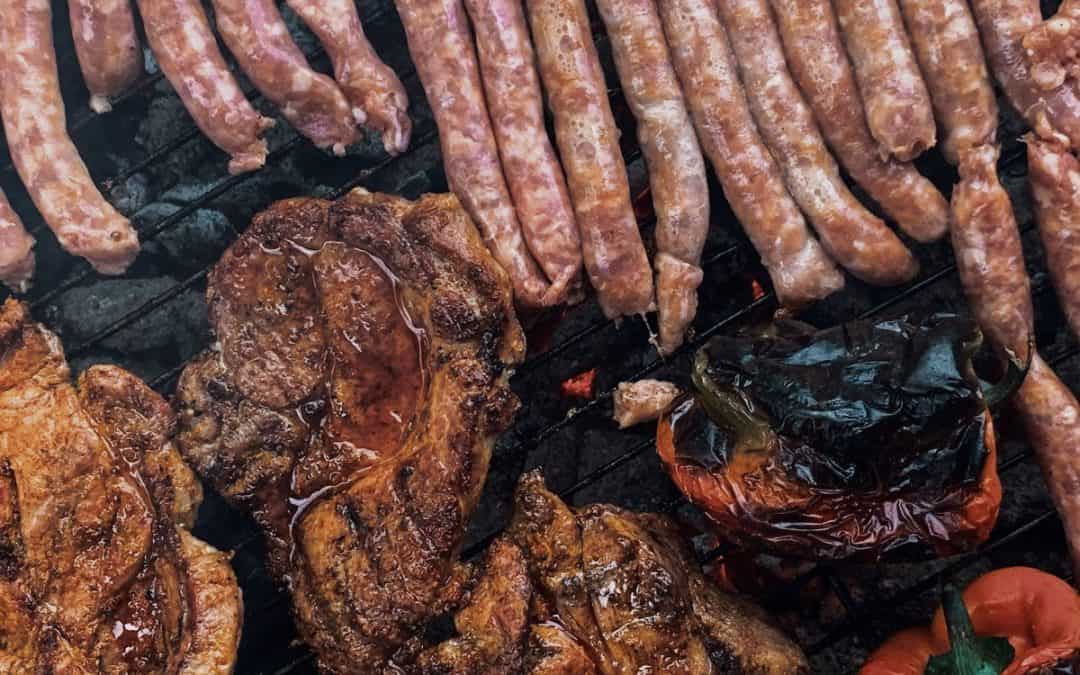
{"x":351,"y":403}
{"x":98,"y":573}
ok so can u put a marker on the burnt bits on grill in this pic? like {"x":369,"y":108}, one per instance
{"x":98,"y":572}
{"x":351,"y":404}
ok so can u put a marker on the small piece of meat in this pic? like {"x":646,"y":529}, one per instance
{"x":553,"y":650}
{"x":255,"y":33}
{"x":954,"y":66}
{"x":1054,"y":174}
{"x":898,"y":108}
{"x":107,"y":48}
{"x":817,"y":60}
{"x":186,"y":49}
{"x":642,"y":401}
{"x":47,"y":161}
{"x":588,"y":143}
{"x":853,"y":236}
{"x":377,"y":96}
{"x":441,"y":45}
{"x":16,"y":249}
{"x":1053,"y":47}
{"x":800,"y":270}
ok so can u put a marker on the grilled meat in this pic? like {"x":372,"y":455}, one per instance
{"x":98,"y":573}
{"x":351,"y":404}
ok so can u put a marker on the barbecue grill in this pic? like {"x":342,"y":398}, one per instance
{"x":158,"y":169}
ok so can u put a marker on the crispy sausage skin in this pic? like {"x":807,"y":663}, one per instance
{"x":1053,"y":114}
{"x":377,"y":96}
{"x":1053,"y":47}
{"x":106,"y":46}
{"x":255,"y":33}
{"x":516,"y":105}
{"x":857,"y":239}
{"x":440,"y":42}
{"x":589,"y":147}
{"x":680,"y":190}
{"x":16,"y":249}
{"x":817,"y":60}
{"x":800,"y":270}
{"x":45,"y":158}
{"x":953,"y":64}
{"x":1055,"y":188}
{"x":898,"y":108}
{"x":185,"y":48}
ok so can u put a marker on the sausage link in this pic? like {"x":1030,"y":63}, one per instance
{"x":1053,"y":114}
{"x":45,"y":158}
{"x":185,"y":48}
{"x":954,"y":67}
{"x":374,"y":90}
{"x":106,"y":46}
{"x":1055,"y":188}
{"x":898,"y":108}
{"x":516,"y":105}
{"x":1053,"y":47}
{"x":440,"y":42}
{"x":680,"y":190}
{"x":16,"y":249}
{"x":853,"y":236}
{"x":816,"y":57}
{"x":255,"y":33}
{"x":588,"y":144}
{"x":800,"y":270}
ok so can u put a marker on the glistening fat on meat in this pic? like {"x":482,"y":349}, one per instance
{"x":1053,"y":47}
{"x":106,"y":46}
{"x":16,"y":249}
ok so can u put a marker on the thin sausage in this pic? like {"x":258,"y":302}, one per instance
{"x":800,"y":270}
{"x":898,"y":108}
{"x":853,"y":236}
{"x":378,"y":98}
{"x":106,"y":46}
{"x":16,"y":249}
{"x":536,"y":180}
{"x":180,"y":37}
{"x":255,"y":33}
{"x":1053,"y":47}
{"x":817,"y":60}
{"x":45,"y":158}
{"x":1053,"y":114}
{"x":954,"y":67}
{"x":588,"y":144}
{"x":440,"y":42}
{"x":680,"y":190}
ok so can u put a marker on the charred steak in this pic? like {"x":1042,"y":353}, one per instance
{"x":351,"y":403}
{"x":98,"y":572}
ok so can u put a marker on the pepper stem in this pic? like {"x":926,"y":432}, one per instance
{"x":729,"y":409}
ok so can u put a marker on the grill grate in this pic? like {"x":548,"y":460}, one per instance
{"x":174,"y":185}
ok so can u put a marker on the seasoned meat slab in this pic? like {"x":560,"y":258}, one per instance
{"x":98,"y":573}
{"x":351,"y":404}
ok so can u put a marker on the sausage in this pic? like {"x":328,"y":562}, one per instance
{"x":440,"y":42}
{"x":1053,"y":114}
{"x":853,"y":236}
{"x":255,"y":33}
{"x":680,"y":190}
{"x":642,"y":401}
{"x":954,"y":67}
{"x":589,"y":146}
{"x":897,"y":104}
{"x":16,"y":249}
{"x":1052,"y":47}
{"x":106,"y":46}
{"x":817,"y":60}
{"x":44,"y":156}
{"x":377,"y":96}
{"x":800,"y":270}
{"x":516,"y":105}
{"x":185,"y":48}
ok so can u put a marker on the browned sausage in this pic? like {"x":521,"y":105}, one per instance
{"x":255,"y":33}
{"x":1055,"y":188}
{"x":816,"y":57}
{"x":800,"y":270}
{"x":374,"y":90}
{"x":46,"y":159}
{"x":1053,"y":47}
{"x":516,"y":105}
{"x":1002,"y":26}
{"x":106,"y":46}
{"x":954,"y":67}
{"x":589,"y":146}
{"x":857,"y":239}
{"x":185,"y":48}
{"x":440,"y":42}
{"x":680,"y":191}
{"x":898,"y":108}
{"x":16,"y":249}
